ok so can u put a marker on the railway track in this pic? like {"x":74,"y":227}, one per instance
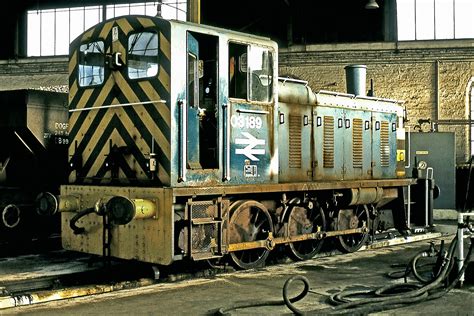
{"x":40,"y":278}
{"x":27,"y":246}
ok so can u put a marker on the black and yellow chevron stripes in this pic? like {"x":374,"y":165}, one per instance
{"x":113,"y":144}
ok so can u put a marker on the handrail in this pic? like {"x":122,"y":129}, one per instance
{"x":285,"y":79}
{"x":116,"y":106}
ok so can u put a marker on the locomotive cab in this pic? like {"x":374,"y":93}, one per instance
{"x":211,"y":124}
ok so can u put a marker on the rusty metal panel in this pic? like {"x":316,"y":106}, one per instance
{"x":294,"y":142}
{"x":357,"y":143}
{"x":384,"y":145}
{"x":294,"y":147}
{"x":148,"y":240}
{"x":204,"y":235}
{"x":357,"y":146}
{"x":328,"y":143}
{"x":251,"y":190}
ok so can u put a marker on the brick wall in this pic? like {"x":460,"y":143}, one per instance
{"x":404,"y":71}
{"x":34,"y":73}
{"x":409,"y":71}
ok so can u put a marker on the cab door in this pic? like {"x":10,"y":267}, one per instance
{"x":192,"y":93}
{"x":357,"y":145}
{"x":250,"y":114}
{"x":329,"y":140}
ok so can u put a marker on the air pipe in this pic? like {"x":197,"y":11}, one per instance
{"x":121,"y":210}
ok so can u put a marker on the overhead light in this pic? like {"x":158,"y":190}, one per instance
{"x":371,"y":5}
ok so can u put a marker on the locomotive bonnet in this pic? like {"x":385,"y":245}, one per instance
{"x":184,"y":144}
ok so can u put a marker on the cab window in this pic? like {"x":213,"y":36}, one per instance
{"x":237,"y":71}
{"x":261,"y":74}
{"x":193,"y":81}
{"x":142,"y":55}
{"x":91,"y":64}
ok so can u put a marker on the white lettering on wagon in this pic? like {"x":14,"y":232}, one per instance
{"x":250,"y":151}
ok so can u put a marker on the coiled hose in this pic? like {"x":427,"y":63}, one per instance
{"x":286,"y":300}
{"x":384,"y":298}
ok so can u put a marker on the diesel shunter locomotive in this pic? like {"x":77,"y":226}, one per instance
{"x":184,"y":143}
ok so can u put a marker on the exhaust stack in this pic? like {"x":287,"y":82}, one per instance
{"x":355,"y":79}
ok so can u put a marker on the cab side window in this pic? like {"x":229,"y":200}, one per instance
{"x":237,"y":71}
{"x":261,"y":74}
{"x":193,"y":81}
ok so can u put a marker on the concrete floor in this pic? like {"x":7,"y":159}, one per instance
{"x":201,"y":296}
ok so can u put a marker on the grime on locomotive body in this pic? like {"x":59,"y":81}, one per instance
{"x":184,"y":144}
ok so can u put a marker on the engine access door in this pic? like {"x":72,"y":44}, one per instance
{"x":329,"y":134}
{"x":357,"y":145}
{"x":384,"y":145}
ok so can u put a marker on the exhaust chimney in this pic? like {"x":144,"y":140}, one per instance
{"x":355,"y":79}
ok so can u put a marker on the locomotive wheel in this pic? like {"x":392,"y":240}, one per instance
{"x":349,"y":219}
{"x":11,"y":216}
{"x":302,"y":220}
{"x":249,"y":221}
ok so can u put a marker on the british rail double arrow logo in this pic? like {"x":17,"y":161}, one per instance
{"x":250,"y":151}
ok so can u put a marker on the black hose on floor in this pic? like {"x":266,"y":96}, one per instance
{"x":396,"y":295}
{"x":383,"y":298}
{"x":286,"y":300}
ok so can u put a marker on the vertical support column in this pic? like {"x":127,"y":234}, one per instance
{"x":22,"y":38}
{"x":194,"y":11}
{"x":434,"y":125}
{"x":390,"y":21}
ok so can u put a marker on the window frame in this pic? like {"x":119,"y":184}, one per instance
{"x":105,"y":69}
{"x":195,"y":88}
{"x":247,"y":45}
{"x":249,"y":73}
{"x":147,"y":30}
{"x":34,"y":41}
{"x":454,"y":30}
